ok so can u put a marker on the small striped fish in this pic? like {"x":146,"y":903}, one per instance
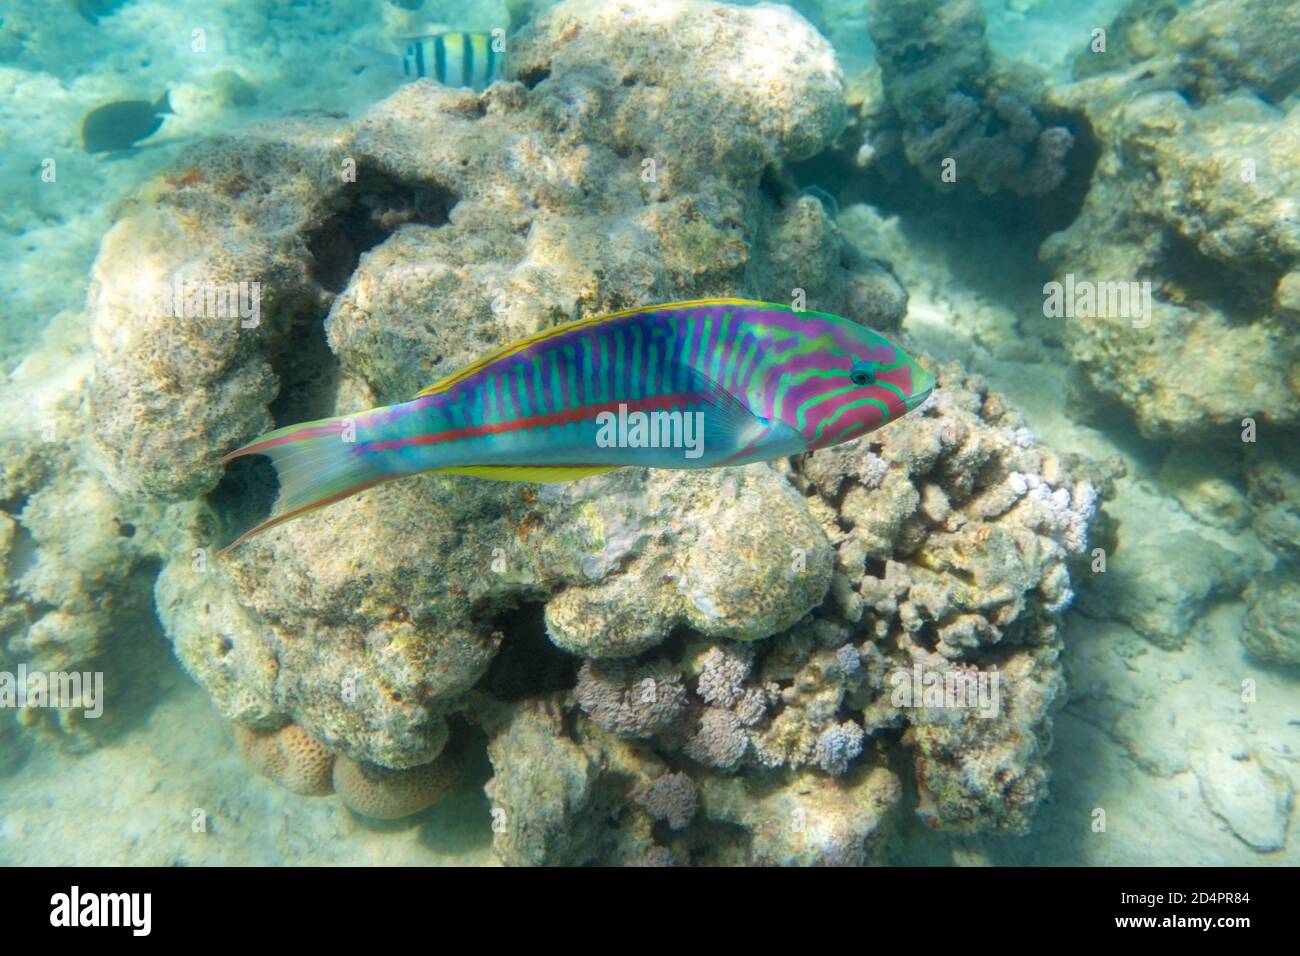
{"x":475,"y":60}
{"x":701,"y":384}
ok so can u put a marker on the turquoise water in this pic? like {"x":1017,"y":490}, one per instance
{"x":1049,"y":616}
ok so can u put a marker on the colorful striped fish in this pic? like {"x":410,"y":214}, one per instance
{"x":700,"y":384}
{"x":475,"y":60}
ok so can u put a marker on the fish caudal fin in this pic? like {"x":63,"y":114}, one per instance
{"x":318,"y":463}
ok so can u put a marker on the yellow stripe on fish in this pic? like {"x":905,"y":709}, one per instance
{"x":474,"y":60}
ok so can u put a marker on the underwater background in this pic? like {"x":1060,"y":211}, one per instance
{"x":1084,"y":218}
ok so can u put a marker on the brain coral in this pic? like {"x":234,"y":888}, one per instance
{"x":291,"y":757}
{"x":387,"y":794}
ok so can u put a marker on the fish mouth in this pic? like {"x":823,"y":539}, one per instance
{"x":922,"y":385}
{"x":916,"y":400}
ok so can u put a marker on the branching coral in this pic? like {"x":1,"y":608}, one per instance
{"x":631,"y":700}
{"x":719,"y":739}
{"x":671,"y":798}
{"x":838,"y":746}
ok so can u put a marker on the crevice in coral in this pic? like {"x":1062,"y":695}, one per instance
{"x":673,"y":646}
{"x":139,"y":670}
{"x":369,"y":211}
{"x":528,"y":664}
{"x":307,"y":370}
{"x":1187,"y":274}
{"x":245,"y":495}
{"x":707,"y":842}
{"x":1059,"y":208}
{"x":530,"y":78}
{"x":22,"y":552}
{"x":927,"y":635}
{"x":777,"y":184}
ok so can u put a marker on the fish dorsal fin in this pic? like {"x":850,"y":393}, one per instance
{"x":506,"y":350}
{"x":547,"y":474}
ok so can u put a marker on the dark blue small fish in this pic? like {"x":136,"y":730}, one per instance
{"x":120,"y":125}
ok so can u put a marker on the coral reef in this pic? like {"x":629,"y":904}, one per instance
{"x":1273,"y":487}
{"x":953,"y":535}
{"x":289,"y":756}
{"x":950,"y":101}
{"x":977,"y":772}
{"x":672,"y":798}
{"x":434,"y":254}
{"x":838,"y":746}
{"x":1198,"y":143}
{"x":631,"y":700}
{"x":76,"y":561}
{"x":739,"y":637}
{"x":557,"y":800}
{"x":1272,"y":627}
{"x":952,"y":557}
{"x":383,"y":793}
{"x":561,"y":800}
{"x":718,"y":739}
{"x":802,"y":822}
{"x":1207,"y":49}
{"x":1184,"y":198}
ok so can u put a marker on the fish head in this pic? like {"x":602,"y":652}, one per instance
{"x":860,"y":381}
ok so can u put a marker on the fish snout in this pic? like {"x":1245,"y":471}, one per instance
{"x":923,"y":384}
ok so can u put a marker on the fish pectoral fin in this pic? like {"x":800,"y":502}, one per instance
{"x":729,"y":420}
{"x":543,"y":474}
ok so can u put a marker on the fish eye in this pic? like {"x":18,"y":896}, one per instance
{"x":863,"y":373}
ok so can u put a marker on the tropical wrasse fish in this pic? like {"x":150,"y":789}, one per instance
{"x":701,"y":384}
{"x":474,"y":60}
